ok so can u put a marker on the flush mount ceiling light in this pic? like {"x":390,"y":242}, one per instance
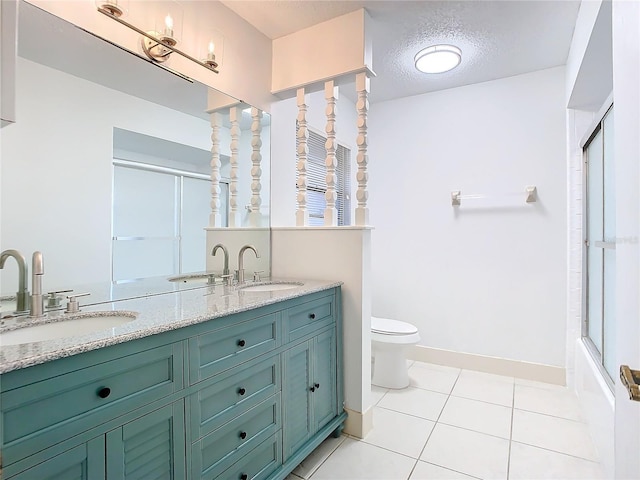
{"x":438,"y":58}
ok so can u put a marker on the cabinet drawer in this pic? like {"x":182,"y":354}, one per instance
{"x":41,"y":414}
{"x":308,"y":317}
{"x":214,"y":352}
{"x":241,"y":389}
{"x":259,"y":464}
{"x":219,"y":450}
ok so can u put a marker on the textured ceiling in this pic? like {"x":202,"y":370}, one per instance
{"x":498,"y":38}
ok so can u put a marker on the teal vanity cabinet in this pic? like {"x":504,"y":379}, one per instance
{"x":243,"y":396}
{"x":63,"y":418}
{"x":309,"y":371}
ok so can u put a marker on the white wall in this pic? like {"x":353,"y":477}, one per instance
{"x":57,"y":170}
{"x":487,"y":277}
{"x":347,"y":47}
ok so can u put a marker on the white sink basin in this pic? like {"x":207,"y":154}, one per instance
{"x":271,"y":287}
{"x":73,"y":326}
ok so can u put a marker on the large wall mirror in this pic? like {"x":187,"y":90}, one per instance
{"x":107,"y":168}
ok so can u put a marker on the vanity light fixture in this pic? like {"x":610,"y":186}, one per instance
{"x":438,"y":58}
{"x":157,"y":45}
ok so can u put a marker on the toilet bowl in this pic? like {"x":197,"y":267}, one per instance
{"x":390,"y":342}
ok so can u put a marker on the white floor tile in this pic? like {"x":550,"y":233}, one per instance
{"x":482,"y":417}
{"x":560,"y":402}
{"x":553,"y":433}
{"x":310,"y":464}
{"x":354,"y":460}
{"x":468,"y":452}
{"x":398,"y":432}
{"x":428,"y":471}
{"x":490,"y":377}
{"x":485,"y":387}
{"x":532,"y":463}
{"x":433,"y":377}
{"x":414,"y":401}
{"x":377,"y":393}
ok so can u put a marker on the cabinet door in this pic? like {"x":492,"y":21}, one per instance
{"x":150,"y":447}
{"x":325,"y":402}
{"x":84,"y":462}
{"x":296,"y":383}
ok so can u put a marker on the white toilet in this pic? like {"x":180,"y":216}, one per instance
{"x":390,"y":340}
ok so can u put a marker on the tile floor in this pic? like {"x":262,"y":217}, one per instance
{"x":461,"y":424}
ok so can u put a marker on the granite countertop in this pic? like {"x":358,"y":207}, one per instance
{"x":156,"y":313}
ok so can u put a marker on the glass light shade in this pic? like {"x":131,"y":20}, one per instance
{"x":438,"y":58}
{"x":168,"y":17}
{"x":211,"y":47}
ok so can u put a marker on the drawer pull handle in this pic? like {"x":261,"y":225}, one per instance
{"x":317,"y":385}
{"x":312,"y":316}
{"x":313,"y":389}
{"x":104,"y":392}
{"x":241,"y":391}
{"x":243,"y":476}
{"x":243,"y":435}
{"x":241,"y":343}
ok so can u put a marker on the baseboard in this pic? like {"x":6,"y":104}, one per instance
{"x":496,"y":365}
{"x":358,"y":424}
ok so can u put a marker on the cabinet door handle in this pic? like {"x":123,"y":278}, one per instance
{"x":312,"y":316}
{"x":241,"y":343}
{"x":313,"y":389}
{"x":104,"y":392}
{"x":317,"y":385}
{"x":241,"y":391}
{"x":243,"y":476}
{"x":243,"y":435}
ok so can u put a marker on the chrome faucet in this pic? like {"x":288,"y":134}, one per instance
{"x":37,"y":272}
{"x":22,"y":296}
{"x":226,"y":257}
{"x":241,"y":261}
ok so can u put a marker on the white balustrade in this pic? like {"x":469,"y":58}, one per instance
{"x":215,"y":218}
{"x":362,"y":158}
{"x":331,"y":162}
{"x":235,"y":115}
{"x":302,"y":214}
{"x":255,"y":215}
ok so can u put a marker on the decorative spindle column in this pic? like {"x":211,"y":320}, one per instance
{"x":255,"y":216}
{"x":215,"y":218}
{"x":362,"y":158}
{"x":331,"y":162}
{"x":235,"y":220}
{"x":302,"y":214}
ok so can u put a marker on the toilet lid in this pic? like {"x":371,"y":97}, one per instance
{"x":387,"y":326}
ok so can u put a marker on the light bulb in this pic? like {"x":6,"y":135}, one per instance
{"x":212,"y":47}
{"x":168,"y":21}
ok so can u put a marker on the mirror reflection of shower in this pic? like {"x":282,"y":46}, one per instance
{"x":161,"y":196}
